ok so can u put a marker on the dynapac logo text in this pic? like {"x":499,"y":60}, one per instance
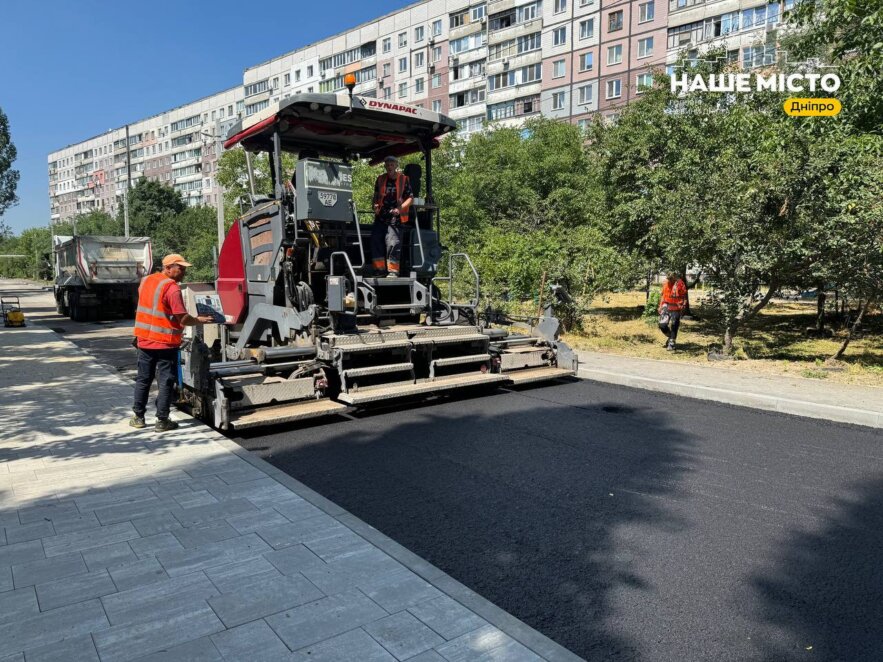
{"x":385,"y":105}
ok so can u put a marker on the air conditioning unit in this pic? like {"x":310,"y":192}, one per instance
{"x":454,"y":61}
{"x":431,"y":41}
{"x":506,"y":63}
{"x":483,"y":20}
{"x":432,"y":68}
{"x":322,"y":75}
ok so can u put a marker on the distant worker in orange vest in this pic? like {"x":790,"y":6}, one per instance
{"x":159,"y":325}
{"x":392,"y":200}
{"x":671,"y":306}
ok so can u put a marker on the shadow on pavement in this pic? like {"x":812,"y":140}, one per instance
{"x":825,"y":589}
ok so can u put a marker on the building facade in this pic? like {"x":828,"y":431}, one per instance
{"x":478,"y":61}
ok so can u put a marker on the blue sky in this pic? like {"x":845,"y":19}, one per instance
{"x":71,"y":69}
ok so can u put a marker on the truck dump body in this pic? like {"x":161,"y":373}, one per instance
{"x":99,"y":274}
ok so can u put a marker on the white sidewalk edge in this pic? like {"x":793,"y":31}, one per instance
{"x":805,"y":408}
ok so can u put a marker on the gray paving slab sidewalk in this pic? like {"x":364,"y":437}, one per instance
{"x":844,"y":403}
{"x":119,"y":544}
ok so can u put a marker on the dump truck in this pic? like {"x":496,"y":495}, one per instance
{"x":309,"y":328}
{"x":98,"y":276}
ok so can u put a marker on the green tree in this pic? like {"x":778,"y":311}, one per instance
{"x":232,"y":174}
{"x":96,"y":222}
{"x":847,"y":34}
{"x":149,"y":203}
{"x":728,"y":182}
{"x":193,"y":234}
{"x":8,"y":176}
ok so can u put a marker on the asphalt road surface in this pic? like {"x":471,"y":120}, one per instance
{"x":625,"y":524}
{"x":622,"y":523}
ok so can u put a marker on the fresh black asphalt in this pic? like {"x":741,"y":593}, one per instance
{"x":621,"y":523}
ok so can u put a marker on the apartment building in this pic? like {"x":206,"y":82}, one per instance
{"x":744,"y":29}
{"x":478,"y":61}
{"x":179,"y":147}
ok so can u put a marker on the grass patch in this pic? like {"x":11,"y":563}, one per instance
{"x":774,"y":342}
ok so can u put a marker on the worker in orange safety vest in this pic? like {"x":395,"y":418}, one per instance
{"x":671,"y":306}
{"x":392,"y":200}
{"x":159,"y":325}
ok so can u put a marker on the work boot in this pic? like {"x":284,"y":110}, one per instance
{"x":137,"y":422}
{"x":165,"y":424}
{"x":392,"y":274}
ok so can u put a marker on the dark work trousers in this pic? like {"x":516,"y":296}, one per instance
{"x":162,"y":364}
{"x":386,"y":245}
{"x":671,"y":329}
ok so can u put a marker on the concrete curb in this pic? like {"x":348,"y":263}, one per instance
{"x":805,"y":408}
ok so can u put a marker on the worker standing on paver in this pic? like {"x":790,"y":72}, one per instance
{"x":671,"y":305}
{"x":392,"y":200}
{"x":159,"y":324}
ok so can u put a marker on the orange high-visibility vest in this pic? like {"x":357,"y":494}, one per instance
{"x":153,"y":319}
{"x":400,"y":186}
{"x":675,"y":295}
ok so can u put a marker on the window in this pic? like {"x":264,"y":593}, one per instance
{"x":418,"y":86}
{"x":721,"y":25}
{"x":644,"y":82}
{"x":254,"y":88}
{"x":559,"y":36}
{"x":478,"y":13}
{"x":614,"y":54}
{"x":585,"y":95}
{"x":403,"y":64}
{"x":436,"y":28}
{"x":387,"y":44}
{"x":527,"y":12}
{"x":297,"y":76}
{"x":310,"y":71}
{"x":614,"y":88}
{"x":467,"y":43}
{"x":403,"y":90}
{"x":587,"y":29}
{"x":757,"y":56}
{"x":645,"y":47}
{"x":614,"y":21}
{"x":470,"y":124}
{"x":557,"y":100}
{"x":558,"y":69}
{"x":403,"y":39}
{"x":559,"y":6}
{"x":387,"y":92}
{"x":419,"y":59}
{"x":646,"y":11}
{"x":529,"y":74}
{"x":436,"y":53}
{"x":276,"y":83}
{"x":436,"y":81}
{"x":685,"y":34}
{"x":436,"y":106}
{"x":586,"y":60}
{"x":418,"y":34}
{"x":387,"y":69}
{"x":583,"y":125}
{"x":585,"y":3}
{"x":459,"y":19}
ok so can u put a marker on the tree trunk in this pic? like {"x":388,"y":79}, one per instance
{"x":820,"y":310}
{"x":852,"y":330}
{"x":686,"y":312}
{"x":729,"y":334}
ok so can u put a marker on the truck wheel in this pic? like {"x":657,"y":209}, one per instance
{"x":77,"y":311}
{"x":60,"y":308}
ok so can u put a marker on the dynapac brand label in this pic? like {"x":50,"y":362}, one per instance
{"x":386,"y":105}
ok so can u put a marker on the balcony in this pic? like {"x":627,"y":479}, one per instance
{"x":468,"y":111}
{"x":466,"y":57}
{"x":514,"y":92}
{"x":465,"y":30}
{"x":498,"y":6}
{"x":515,"y":31}
{"x":515,"y":61}
{"x":457,"y":86}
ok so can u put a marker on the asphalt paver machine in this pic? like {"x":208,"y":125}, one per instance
{"x":310,"y":329}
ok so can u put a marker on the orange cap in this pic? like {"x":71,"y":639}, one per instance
{"x":174,"y":258}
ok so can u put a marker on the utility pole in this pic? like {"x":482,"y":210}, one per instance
{"x":128,"y":185}
{"x":219,"y":149}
